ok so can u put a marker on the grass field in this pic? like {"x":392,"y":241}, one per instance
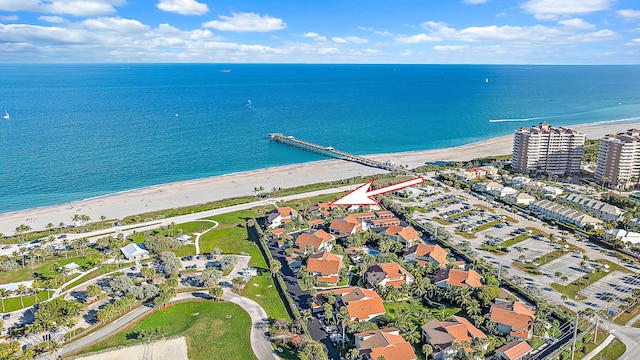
{"x":212,"y":330}
{"x":266,"y":295}
{"x":46,"y":270}
{"x":13,"y":303}
{"x":612,"y":351}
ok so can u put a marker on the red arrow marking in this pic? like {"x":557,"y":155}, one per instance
{"x":362,"y":195}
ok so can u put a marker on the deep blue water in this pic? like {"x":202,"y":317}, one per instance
{"x":78,"y":131}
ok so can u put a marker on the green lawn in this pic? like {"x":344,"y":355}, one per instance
{"x":218,"y":331}
{"x":97,"y":272}
{"x":195,"y":226}
{"x":45,"y":270}
{"x":612,"y":351}
{"x":416,"y":306}
{"x":515,"y":240}
{"x":13,"y":303}
{"x":602,"y":335}
{"x":185,"y":250}
{"x":266,"y":295}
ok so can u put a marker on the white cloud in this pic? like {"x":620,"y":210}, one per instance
{"x":339,"y":40}
{"x":377,"y":32}
{"x":183,"y":7}
{"x":84,"y":8}
{"x":116,"y":25}
{"x":629,"y":15}
{"x":474,"y":2}
{"x":576,"y":23}
{"x":415,"y":39}
{"x":9,"y":17}
{"x":52,"y":19}
{"x":569,"y":32}
{"x":450,"y":47}
{"x":634,"y":42}
{"x":315,"y":36}
{"x":246,"y":22}
{"x":356,"y":40}
{"x":552,"y":9}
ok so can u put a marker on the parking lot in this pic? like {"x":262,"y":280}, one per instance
{"x":617,"y":285}
{"x":568,"y":265}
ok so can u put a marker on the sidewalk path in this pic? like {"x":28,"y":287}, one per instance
{"x":196,"y":242}
{"x":599,"y":348}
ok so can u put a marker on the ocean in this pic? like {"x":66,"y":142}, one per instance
{"x":80,"y":131}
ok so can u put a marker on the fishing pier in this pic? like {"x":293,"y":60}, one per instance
{"x":336,"y":154}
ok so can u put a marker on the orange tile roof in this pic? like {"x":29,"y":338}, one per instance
{"x":460,"y":278}
{"x":515,"y":349}
{"x":333,"y":279}
{"x":384,"y":342}
{"x":287,"y":212}
{"x":457,"y":330}
{"x":344,"y":227}
{"x":385,"y":214}
{"x":315,"y":222}
{"x":474,"y":331}
{"x":514,"y":314}
{"x":325,"y":263}
{"x":277,"y":232}
{"x":385,"y":222}
{"x":361,"y":303}
{"x":408,"y":234}
{"x":362,"y":216}
{"x":435,"y":252}
{"x":393,"y":230}
{"x":315,"y":239}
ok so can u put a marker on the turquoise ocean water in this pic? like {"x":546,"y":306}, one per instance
{"x":78,"y":131}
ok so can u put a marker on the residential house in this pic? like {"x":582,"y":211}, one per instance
{"x":315,"y":224}
{"x":471,"y":174}
{"x":344,"y":227}
{"x":320,"y":209}
{"x":423,"y":254}
{"x":551,"y":191}
{"x":448,"y":277}
{"x":134,"y":251}
{"x":600,"y":209}
{"x":514,"y":350}
{"x":441,"y":334}
{"x":277,"y":233}
{"x":326,"y":266}
{"x":562,"y":213}
{"x":406,"y":235}
{"x":294,"y":262}
{"x":387,"y":343}
{"x":624,"y":235}
{"x":387,"y":274}
{"x":520,"y":198}
{"x":513,"y":318}
{"x":385,"y":215}
{"x":354,"y":253}
{"x":279,"y":216}
{"x":378,"y":223}
{"x":316,"y":241}
{"x":362,"y":304}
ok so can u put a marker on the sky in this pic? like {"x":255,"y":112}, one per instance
{"x":328,"y":31}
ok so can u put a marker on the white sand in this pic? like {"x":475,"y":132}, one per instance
{"x":118,"y":206}
{"x":174,"y":349}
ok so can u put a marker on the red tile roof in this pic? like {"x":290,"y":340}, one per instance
{"x":514,"y":314}
{"x":377,"y":273}
{"x":343,"y":226}
{"x":384,"y":342}
{"x":385,"y":214}
{"x":315,"y":239}
{"x":315,"y":222}
{"x":325,"y":263}
{"x":408,"y":234}
{"x":393,"y":230}
{"x":434,"y":252}
{"x":455,"y":277}
{"x":515,"y":349}
{"x":361,"y":303}
{"x":386,"y":222}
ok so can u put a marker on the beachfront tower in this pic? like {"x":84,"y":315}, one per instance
{"x":545,"y":149}
{"x":619,"y":159}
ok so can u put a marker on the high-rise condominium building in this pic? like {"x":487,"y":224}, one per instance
{"x":619,"y":159}
{"x":546,"y":149}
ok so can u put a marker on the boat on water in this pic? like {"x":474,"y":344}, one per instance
{"x":486,"y":80}
{"x":6,"y":115}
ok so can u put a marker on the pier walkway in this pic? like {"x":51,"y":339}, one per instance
{"x":336,"y":154}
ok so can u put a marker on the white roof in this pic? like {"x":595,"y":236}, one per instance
{"x":184,"y":237}
{"x":133,"y":250}
{"x":14,"y":286}
{"x":71,"y":266}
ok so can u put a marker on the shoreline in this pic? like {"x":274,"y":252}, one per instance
{"x":190,"y":192}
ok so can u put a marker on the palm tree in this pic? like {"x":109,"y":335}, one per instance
{"x":20,"y":291}
{"x":427,"y":349}
{"x":102,"y":219}
{"x":353,"y":354}
{"x":473,"y":307}
{"x":3,"y":293}
{"x":274,"y":267}
{"x":343,"y":318}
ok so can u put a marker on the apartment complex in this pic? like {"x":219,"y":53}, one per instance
{"x":619,"y":159}
{"x":546,"y":149}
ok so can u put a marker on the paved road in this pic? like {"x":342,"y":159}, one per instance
{"x":302,"y":300}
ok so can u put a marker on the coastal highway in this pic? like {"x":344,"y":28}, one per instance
{"x":8,"y":250}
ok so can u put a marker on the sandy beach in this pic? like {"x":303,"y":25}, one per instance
{"x":191,"y":192}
